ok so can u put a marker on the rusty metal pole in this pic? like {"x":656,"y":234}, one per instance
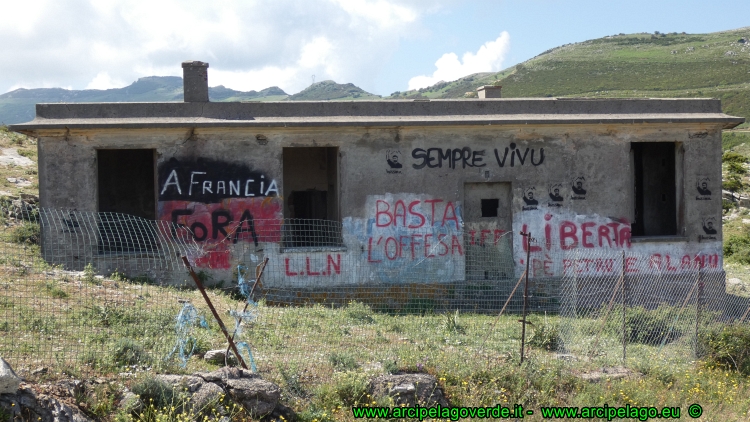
{"x":213,"y":311}
{"x":525,"y":295}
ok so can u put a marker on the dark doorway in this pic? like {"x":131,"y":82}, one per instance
{"x":655,"y":189}
{"x":311,"y":205}
{"x":126,"y":197}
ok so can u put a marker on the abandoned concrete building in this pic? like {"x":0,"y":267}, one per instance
{"x":408,"y":185}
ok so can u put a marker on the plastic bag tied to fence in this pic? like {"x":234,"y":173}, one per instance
{"x":187,"y":320}
{"x":249,"y":314}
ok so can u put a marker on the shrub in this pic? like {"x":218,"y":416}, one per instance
{"x":545,"y":336}
{"x":646,"y":326}
{"x":737,"y":247}
{"x":128,"y":352}
{"x":156,"y":392}
{"x":733,"y":157}
{"x":359,"y":312}
{"x":651,"y":326}
{"x":343,"y":361}
{"x":727,"y":347}
{"x":26,"y":232}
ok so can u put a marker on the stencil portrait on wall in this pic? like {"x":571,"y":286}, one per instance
{"x":529,"y":198}
{"x":702,"y":185}
{"x":393,"y":158}
{"x":555,"y":195}
{"x":709,"y":225}
{"x":578,"y":188}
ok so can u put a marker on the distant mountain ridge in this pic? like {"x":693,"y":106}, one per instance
{"x":18,"y":106}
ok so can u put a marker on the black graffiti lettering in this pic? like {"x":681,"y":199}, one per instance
{"x":204,"y":231}
{"x":505,"y":157}
{"x":434,"y":157}
{"x":476,"y":158}
{"x":246,"y":218}
{"x":218,"y":226}
{"x":541,"y":157}
{"x":419,"y":153}
{"x":455,"y":156}
{"x":176,"y":214}
{"x":466,"y":153}
{"x":441,"y":156}
{"x":521,"y":160}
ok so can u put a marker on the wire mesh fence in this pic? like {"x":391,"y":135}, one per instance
{"x":108,"y":292}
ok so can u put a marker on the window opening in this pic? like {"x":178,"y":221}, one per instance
{"x":655,"y":189}
{"x":127,"y":200}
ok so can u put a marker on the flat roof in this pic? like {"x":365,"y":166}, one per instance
{"x":501,"y":111}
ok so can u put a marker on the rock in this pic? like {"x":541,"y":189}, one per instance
{"x":409,"y":389}
{"x":613,"y":373}
{"x":11,"y":156}
{"x":9,"y":381}
{"x":218,"y":356}
{"x":39,"y":371}
{"x":130,"y":402}
{"x":25,"y":405}
{"x":257,"y":395}
{"x":192,"y":383}
{"x":207,"y":393}
{"x":215,"y":356}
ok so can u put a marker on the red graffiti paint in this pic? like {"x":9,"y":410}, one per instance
{"x":414,"y":215}
{"x":311,"y":265}
{"x":235,"y":219}
{"x":214,"y":260}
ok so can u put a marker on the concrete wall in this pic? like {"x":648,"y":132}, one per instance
{"x":211,"y":179}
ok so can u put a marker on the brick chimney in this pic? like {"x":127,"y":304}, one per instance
{"x":195,"y":81}
{"x":489,"y":91}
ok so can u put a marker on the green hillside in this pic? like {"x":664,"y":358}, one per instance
{"x":636,"y":65}
{"x":330,"y":90}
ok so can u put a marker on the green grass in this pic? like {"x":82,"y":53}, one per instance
{"x":323,"y":357}
{"x":634,"y":65}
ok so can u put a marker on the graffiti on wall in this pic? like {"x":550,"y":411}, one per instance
{"x":221,"y":203}
{"x":583,"y":245}
{"x":702,"y":186}
{"x":209,"y":181}
{"x":466,"y":157}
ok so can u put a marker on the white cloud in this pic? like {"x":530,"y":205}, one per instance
{"x":248,"y":44}
{"x":102,"y":80}
{"x":489,"y":58}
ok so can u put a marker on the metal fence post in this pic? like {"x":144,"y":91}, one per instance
{"x":698,"y":309}
{"x":525,"y":294}
{"x":624,"y":309}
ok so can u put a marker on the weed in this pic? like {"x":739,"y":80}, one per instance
{"x":89,"y":275}
{"x":155,"y":392}
{"x":451,"y":323}
{"x":359,"y":312}
{"x":292,"y":380}
{"x":545,"y":335}
{"x":26,"y":232}
{"x":55,"y":291}
{"x":343,"y":361}
{"x":127,"y":352}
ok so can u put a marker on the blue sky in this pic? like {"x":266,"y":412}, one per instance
{"x":380,"y":45}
